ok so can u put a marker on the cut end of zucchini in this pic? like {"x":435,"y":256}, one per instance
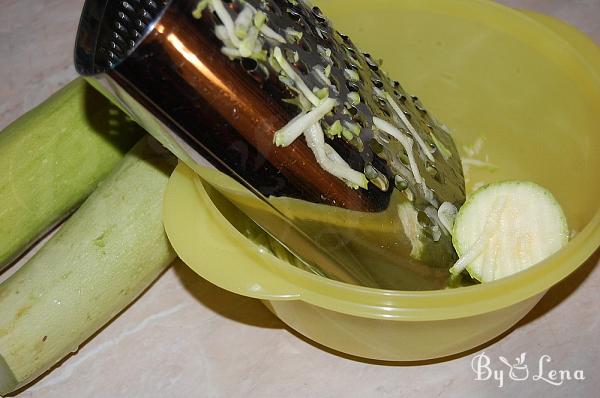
{"x":507,"y":227}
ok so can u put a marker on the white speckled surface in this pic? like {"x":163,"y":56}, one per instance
{"x":187,"y":338}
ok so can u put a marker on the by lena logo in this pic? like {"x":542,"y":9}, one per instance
{"x":519,"y":370}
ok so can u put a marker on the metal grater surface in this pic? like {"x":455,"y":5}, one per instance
{"x":384,"y":160}
{"x":372,"y":150}
{"x":417,"y":162}
{"x":125,"y":24}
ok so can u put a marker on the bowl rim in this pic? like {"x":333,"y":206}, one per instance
{"x":423,"y":305}
{"x":431,"y":305}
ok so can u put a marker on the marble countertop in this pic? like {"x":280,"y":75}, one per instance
{"x":185,"y":337}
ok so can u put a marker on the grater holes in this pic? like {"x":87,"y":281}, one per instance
{"x":344,"y":38}
{"x":135,"y":35}
{"x":123,"y":27}
{"x":272,"y":7}
{"x":336,"y":83}
{"x":127,"y":7}
{"x":370,"y":62}
{"x":123,"y":17}
{"x":352,"y":57}
{"x":114,"y":47}
{"x":117,"y":38}
{"x":353,"y":86}
{"x":350,"y":65}
{"x":318,"y":14}
{"x":379,"y":101}
{"x":301,"y":66}
{"x":216,"y":18}
{"x":152,"y":4}
{"x":419,"y":105}
{"x":383,"y":107}
{"x":376,"y":147}
{"x":250,"y":65}
{"x":139,"y":25}
{"x":295,"y":16}
{"x":377,"y":83}
{"x":373,"y":67}
{"x":352,"y":110}
{"x":253,"y":69}
{"x":143,"y":15}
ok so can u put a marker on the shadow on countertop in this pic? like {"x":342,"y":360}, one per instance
{"x":562,"y":290}
{"x":225,"y":303}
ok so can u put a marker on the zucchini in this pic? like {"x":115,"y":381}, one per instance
{"x":505,"y":228}
{"x":52,"y":158}
{"x":101,"y":259}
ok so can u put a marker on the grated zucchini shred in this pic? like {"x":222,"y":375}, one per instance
{"x":330,"y":160}
{"x":409,"y":126}
{"x":291,"y":73}
{"x":294,"y":129}
{"x":406,"y":142}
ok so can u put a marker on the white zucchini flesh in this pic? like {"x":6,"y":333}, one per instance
{"x":507,"y":227}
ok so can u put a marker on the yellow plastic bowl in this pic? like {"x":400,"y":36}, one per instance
{"x":528,"y":85}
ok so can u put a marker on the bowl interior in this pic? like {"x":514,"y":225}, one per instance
{"x":522,"y":102}
{"x":520,"y":99}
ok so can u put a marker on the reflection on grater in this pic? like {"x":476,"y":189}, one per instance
{"x":352,"y":170}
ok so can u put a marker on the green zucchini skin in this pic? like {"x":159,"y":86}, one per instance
{"x":52,"y":158}
{"x":102,"y":258}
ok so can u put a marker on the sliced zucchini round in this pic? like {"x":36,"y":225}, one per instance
{"x":507,"y":227}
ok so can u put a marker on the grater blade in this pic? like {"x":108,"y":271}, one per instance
{"x":229,"y":99}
